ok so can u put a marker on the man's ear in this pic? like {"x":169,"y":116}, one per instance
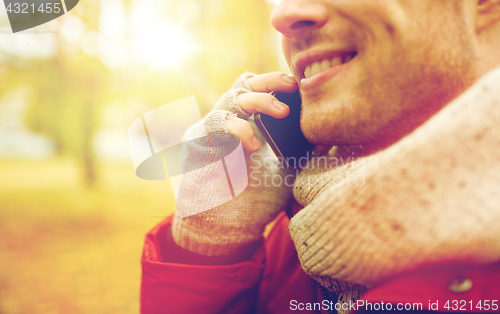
{"x":488,"y":13}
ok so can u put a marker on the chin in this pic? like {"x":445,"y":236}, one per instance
{"x":345,"y":127}
{"x":340,"y":135}
{"x":321,"y":132}
{"x":335,"y":123}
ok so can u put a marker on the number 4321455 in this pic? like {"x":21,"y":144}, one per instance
{"x":30,"y":8}
{"x":462,"y":305}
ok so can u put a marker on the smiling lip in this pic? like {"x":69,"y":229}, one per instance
{"x":306,"y":58}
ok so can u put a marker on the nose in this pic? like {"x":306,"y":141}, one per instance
{"x":292,"y":17}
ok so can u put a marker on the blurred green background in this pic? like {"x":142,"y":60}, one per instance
{"x":73,"y":214}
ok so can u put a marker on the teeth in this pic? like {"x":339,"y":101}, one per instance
{"x":307,"y":72}
{"x":315,"y":68}
{"x":325,"y":64}
{"x":348,"y":57}
{"x":318,"y":66}
{"x":336,"y":61}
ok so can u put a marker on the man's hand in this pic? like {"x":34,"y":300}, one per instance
{"x":223,"y":229}
{"x":260,"y":101}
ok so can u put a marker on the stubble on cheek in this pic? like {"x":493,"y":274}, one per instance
{"x":427,"y":69}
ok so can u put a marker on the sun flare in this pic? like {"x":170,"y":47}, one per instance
{"x":159,"y":43}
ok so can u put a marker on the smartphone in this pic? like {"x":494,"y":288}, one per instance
{"x":284,"y":135}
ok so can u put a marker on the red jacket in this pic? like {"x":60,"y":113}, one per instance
{"x":272,"y":281}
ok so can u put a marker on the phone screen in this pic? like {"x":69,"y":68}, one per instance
{"x":284,"y":135}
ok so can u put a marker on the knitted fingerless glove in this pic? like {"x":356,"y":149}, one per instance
{"x":221,"y":230}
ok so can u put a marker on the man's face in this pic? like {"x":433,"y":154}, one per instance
{"x":373,"y":70}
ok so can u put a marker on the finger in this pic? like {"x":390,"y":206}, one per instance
{"x":274,"y":81}
{"x":261,"y":102}
{"x":242,"y":129}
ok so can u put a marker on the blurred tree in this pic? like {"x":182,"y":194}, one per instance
{"x":67,"y":90}
{"x":65,"y":100}
{"x":70,"y":87}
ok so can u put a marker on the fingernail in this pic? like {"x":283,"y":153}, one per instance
{"x":288,"y":79}
{"x":279,"y":105}
{"x":255,"y":143}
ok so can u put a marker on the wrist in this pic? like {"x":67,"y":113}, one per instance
{"x":212,"y":234}
{"x":173,"y":253}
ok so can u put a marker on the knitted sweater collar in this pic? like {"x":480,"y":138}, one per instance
{"x":430,"y":198}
